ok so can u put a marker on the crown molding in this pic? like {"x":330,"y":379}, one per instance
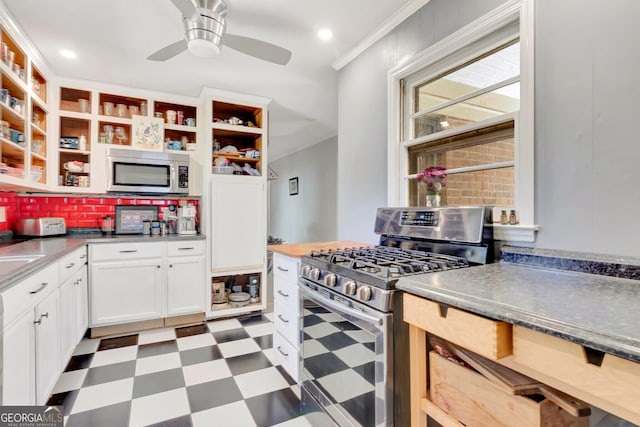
{"x":393,"y":21}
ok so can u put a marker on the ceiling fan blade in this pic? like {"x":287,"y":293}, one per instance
{"x":168,"y":52}
{"x":257,"y":48}
{"x":188,"y":9}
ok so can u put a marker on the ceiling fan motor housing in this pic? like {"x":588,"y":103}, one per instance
{"x":210,"y":30}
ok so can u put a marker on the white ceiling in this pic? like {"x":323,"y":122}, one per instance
{"x":113,"y":37}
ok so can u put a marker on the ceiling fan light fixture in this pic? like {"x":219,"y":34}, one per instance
{"x":203,"y":48}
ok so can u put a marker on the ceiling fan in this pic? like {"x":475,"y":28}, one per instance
{"x":204,"y":25}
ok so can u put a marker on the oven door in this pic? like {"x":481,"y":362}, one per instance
{"x":346,"y":360}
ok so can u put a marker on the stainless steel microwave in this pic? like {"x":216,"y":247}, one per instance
{"x":136,"y":171}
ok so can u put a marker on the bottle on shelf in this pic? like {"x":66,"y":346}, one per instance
{"x":82,"y":143}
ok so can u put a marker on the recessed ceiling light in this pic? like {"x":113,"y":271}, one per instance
{"x":68,"y":53}
{"x":325,"y":34}
{"x":444,"y":124}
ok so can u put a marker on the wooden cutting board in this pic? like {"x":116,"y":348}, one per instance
{"x":516,"y":383}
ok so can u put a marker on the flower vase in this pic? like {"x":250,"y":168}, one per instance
{"x":433,"y":200}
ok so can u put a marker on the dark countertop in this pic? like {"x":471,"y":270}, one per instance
{"x":594,"y":310}
{"x":53,"y":248}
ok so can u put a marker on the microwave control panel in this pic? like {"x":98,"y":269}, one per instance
{"x":183,"y":176}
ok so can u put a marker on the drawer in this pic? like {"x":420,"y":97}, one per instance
{"x":286,"y":355}
{"x":187,"y":247}
{"x":489,"y":338}
{"x":473,"y":400}
{"x":604,"y":380}
{"x":286,"y":292}
{"x":285,"y":321}
{"x":71,"y":263}
{"x":26,"y":294}
{"x":125,"y":251}
{"x":285,"y":267}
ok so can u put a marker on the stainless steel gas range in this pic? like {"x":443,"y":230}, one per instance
{"x":354,"y":344}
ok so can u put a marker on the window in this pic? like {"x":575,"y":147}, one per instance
{"x":466,"y":104}
{"x":476,"y":94}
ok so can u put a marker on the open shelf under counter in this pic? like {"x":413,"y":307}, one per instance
{"x":222,"y":129}
{"x":225,"y":310}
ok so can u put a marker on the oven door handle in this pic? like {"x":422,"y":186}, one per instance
{"x":342,"y":308}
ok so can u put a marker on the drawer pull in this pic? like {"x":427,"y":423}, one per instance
{"x":283,"y":269}
{"x":593,"y":356}
{"x":70,"y":265}
{"x":170,"y":265}
{"x":186,"y":249}
{"x":282,"y":318}
{"x":283,"y":294}
{"x":129,"y":251}
{"x":45,"y":315}
{"x":282,"y":352}
{"x":42,"y":286}
{"x":83,"y":256}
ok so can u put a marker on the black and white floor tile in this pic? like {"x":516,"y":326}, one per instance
{"x":222,"y":373}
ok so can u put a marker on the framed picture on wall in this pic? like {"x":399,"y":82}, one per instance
{"x":293,"y":186}
{"x":148,"y":133}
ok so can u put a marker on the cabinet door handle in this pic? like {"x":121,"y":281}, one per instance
{"x":283,"y":269}
{"x":37,"y":322}
{"x":157,"y":266}
{"x":282,"y":318}
{"x":83,"y":256}
{"x":186,"y":249}
{"x":283,"y":294}
{"x":45,"y":315}
{"x":170,"y":265}
{"x":129,"y":251}
{"x":70,"y":265}
{"x":282,"y":352}
{"x":42,"y":286}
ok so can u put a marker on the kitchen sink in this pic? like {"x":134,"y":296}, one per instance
{"x":9,"y":263}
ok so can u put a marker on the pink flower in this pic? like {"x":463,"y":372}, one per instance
{"x":434,"y":178}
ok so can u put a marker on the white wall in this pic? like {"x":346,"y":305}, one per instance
{"x":309,"y":216}
{"x":587,"y":109}
{"x":362,"y":109}
{"x":587,"y":105}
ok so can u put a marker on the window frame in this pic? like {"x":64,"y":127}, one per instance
{"x":449,"y":52}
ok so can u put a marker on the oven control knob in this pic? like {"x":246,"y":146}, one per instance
{"x":314,"y":274}
{"x":364,"y":293}
{"x":349,"y":287}
{"x":304,"y":271}
{"x":330,"y":280}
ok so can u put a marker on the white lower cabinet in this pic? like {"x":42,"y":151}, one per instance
{"x":125,"y":291}
{"x":18,"y":362}
{"x":48,"y":334}
{"x":81,"y":284}
{"x":286,"y":312}
{"x":136,"y":281}
{"x":41,"y":329}
{"x":185,"y":293}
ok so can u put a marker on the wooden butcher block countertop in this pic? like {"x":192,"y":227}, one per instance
{"x":297,"y":250}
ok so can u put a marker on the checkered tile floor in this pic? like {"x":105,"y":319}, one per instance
{"x":222,"y":373}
